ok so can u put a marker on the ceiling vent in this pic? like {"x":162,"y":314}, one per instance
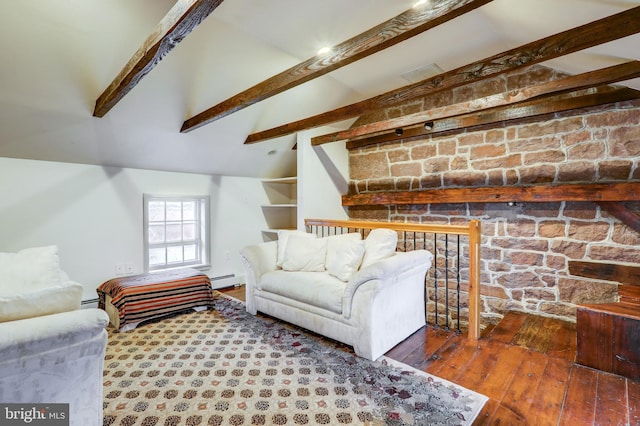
{"x":422,"y":73}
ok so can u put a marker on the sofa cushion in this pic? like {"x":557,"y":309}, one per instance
{"x":31,"y":268}
{"x":313,"y":288}
{"x":283,"y":238}
{"x":379,"y":244}
{"x":305,"y":254}
{"x":344,"y":255}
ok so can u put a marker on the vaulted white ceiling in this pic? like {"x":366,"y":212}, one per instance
{"x":59,"y":55}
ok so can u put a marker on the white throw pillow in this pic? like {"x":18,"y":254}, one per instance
{"x":31,"y":268}
{"x":283,"y":237}
{"x":379,"y":244}
{"x":344,"y":255}
{"x":304,"y":254}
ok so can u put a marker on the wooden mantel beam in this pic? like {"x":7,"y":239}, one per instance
{"x":183,"y":18}
{"x":406,"y":25}
{"x":625,"y":71}
{"x":596,"y":192}
{"x":592,"y":34}
{"x":520,"y":110}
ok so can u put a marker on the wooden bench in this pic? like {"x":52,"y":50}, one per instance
{"x":608,"y":334}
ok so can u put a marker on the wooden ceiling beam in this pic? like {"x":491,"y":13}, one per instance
{"x":596,"y":192}
{"x":406,"y":25}
{"x":616,"y":73}
{"x":518,"y":111}
{"x":592,"y":34}
{"x":623,"y":214}
{"x":183,"y":18}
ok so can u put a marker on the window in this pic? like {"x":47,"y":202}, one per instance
{"x":176,"y":231}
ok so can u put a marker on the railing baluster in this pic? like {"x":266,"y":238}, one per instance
{"x":446,"y":279}
{"x":458,"y":286}
{"x":435,"y":276}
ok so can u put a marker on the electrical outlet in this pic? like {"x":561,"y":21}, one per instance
{"x":227,"y":255}
{"x":119,"y":268}
{"x":129,"y":268}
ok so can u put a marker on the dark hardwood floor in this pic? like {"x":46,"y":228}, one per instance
{"x":525,"y":366}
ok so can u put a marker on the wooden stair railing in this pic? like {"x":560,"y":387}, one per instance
{"x":472,"y":231}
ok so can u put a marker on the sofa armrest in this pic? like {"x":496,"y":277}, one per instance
{"x":383,"y":271}
{"x":40,"y":301}
{"x":257,"y":260}
{"x":22,"y":338}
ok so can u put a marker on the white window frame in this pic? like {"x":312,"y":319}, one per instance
{"x":201,"y":239}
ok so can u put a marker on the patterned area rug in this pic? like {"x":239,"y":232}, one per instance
{"x":226,"y":367}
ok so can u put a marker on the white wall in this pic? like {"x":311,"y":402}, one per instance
{"x":323,"y":177}
{"x":94,"y":214}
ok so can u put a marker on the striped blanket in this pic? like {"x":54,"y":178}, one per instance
{"x":142,"y":297}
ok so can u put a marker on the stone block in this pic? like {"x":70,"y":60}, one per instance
{"x":552,"y":229}
{"x":615,"y":170}
{"x":428,"y":150}
{"x":588,"y":231}
{"x":587,"y":151}
{"x":372,"y":165}
{"x":573,"y":250}
{"x":625,"y":142}
{"x":488,"y":151}
{"x":544,"y":157}
{"x":580,"y":291}
{"x":465,"y":179}
{"x":617,"y":254}
{"x":509,"y":161}
{"x":577,"y":171}
{"x":406,"y":169}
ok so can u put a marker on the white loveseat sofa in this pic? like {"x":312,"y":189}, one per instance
{"x":359,"y":292}
{"x":50,"y":350}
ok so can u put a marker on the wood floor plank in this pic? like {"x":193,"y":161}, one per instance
{"x":521,"y":393}
{"x":434,"y":339}
{"x":443,"y":356}
{"x":549,"y":397}
{"x":509,"y":359}
{"x":456,"y":365}
{"x":611,"y":400}
{"x":633,"y":397}
{"x":508,"y":327}
{"x":411,"y":345}
{"x":579,"y":404}
{"x":481,"y":365}
{"x":486,"y":415}
{"x":533,"y":333}
{"x":563,"y":345}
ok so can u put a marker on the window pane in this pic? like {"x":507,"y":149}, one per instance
{"x":174,"y":254}
{"x":189,"y":210}
{"x":189,"y":231}
{"x":190,"y":252}
{"x":156,"y":234}
{"x":174,"y":210}
{"x":174,"y":232}
{"x":157,"y":256}
{"x":156,"y":211}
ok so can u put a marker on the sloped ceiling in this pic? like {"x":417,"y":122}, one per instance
{"x":59,"y":55}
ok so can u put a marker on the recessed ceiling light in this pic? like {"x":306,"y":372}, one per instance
{"x":324,"y":50}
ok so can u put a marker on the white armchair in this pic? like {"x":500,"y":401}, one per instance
{"x":50,"y":351}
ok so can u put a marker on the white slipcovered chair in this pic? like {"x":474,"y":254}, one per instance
{"x":50,"y":350}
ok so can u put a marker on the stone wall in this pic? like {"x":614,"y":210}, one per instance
{"x":526,"y":246}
